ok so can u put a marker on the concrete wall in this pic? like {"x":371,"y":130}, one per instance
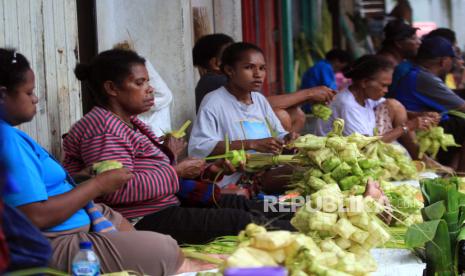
{"x":458,"y":21}
{"x":162,"y":31}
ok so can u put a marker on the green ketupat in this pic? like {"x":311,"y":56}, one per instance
{"x":330,"y":164}
{"x":361,"y":140}
{"x":106,"y":165}
{"x":341,"y":171}
{"x":336,"y":143}
{"x":431,"y":140}
{"x":309,"y":142}
{"x":338,"y":127}
{"x":250,"y":257}
{"x":319,"y":156}
{"x":181,"y":132}
{"x":271,"y":240}
{"x":321,"y":111}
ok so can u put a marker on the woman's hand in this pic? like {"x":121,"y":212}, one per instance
{"x":83,"y":175}
{"x":266,"y":145}
{"x":112,"y":180}
{"x":420,"y":123}
{"x":177,"y":146}
{"x":224,"y":166}
{"x":321,"y":94}
{"x":374,"y":190}
{"x":190,"y":167}
{"x":433,"y":116}
{"x":290,"y":137}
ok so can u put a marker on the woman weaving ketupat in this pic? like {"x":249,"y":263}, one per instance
{"x":365,"y":110}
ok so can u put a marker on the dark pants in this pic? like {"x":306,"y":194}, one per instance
{"x":455,"y":126}
{"x":201,"y":225}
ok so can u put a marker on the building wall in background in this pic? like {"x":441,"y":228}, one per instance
{"x":224,"y":16}
{"x":162,"y":31}
{"x":45,"y":31}
{"x":458,"y":21}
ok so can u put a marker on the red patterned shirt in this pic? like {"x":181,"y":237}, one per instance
{"x":99,"y":136}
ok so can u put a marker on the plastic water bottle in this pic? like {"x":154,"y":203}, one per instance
{"x":85,"y":263}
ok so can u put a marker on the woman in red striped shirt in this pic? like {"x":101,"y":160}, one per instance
{"x":119,"y":83}
{"x":46,"y":196}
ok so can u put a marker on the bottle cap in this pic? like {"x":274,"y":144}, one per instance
{"x":85,"y":245}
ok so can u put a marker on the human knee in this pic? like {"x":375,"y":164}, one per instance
{"x":149,"y":252}
{"x":298,"y":118}
{"x":164,"y":254}
{"x":297,"y":114}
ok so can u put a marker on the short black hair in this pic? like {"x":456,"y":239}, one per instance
{"x":13,"y":68}
{"x":208,"y":47}
{"x":397,"y":30}
{"x":367,"y":67}
{"x":339,"y":55}
{"x":233,"y":53}
{"x":445,"y":33}
{"x":112,"y":65}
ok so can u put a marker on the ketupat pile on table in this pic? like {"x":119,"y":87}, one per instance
{"x":333,"y":173}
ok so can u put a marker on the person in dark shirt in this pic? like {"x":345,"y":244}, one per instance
{"x":400,"y":42}
{"x":422,"y":89}
{"x":323,"y":72}
{"x":207,"y":58}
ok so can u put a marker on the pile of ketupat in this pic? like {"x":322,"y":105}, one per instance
{"x":432,"y":139}
{"x":332,"y":240}
{"x":348,"y":161}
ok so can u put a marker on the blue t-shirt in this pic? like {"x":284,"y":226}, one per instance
{"x":37,"y":175}
{"x":401,"y":70}
{"x":321,"y":73}
{"x":420,"y":90}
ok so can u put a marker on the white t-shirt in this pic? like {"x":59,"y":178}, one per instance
{"x":158,"y":118}
{"x":221,"y":113}
{"x":357,"y":118}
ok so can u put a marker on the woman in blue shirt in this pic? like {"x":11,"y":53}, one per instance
{"x":47,"y":198}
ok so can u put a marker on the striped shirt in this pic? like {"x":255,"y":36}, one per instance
{"x":99,"y":136}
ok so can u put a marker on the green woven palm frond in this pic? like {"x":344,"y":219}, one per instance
{"x":456,"y":113}
{"x":273,"y":131}
{"x":37,"y":271}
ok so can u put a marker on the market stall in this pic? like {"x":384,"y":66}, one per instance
{"x":342,"y":229}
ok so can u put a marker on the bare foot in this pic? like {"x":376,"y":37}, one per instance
{"x":193,"y":265}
